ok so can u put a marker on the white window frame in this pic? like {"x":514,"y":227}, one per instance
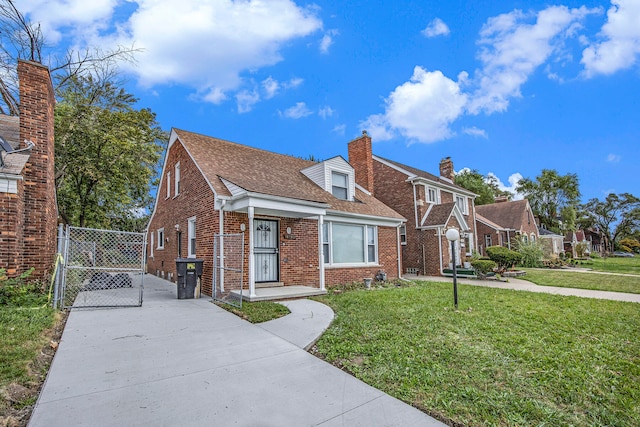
{"x":403,"y":234}
{"x":436,"y":195}
{"x":465,"y":205}
{"x":488,"y":240}
{"x":151,"y":246}
{"x":160,"y":238}
{"x":191,"y":235}
{"x":168,"y":184}
{"x":346,"y":187}
{"x":177,"y":179}
{"x":367,"y":229}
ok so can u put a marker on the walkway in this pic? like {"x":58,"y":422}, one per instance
{"x":190,"y":363}
{"x":524,"y":285}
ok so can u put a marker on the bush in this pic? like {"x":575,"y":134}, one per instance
{"x":532,"y":253}
{"x":483,"y":267}
{"x":18,"y":292}
{"x":505,"y":258}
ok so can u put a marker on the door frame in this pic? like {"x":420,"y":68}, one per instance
{"x":276,"y":248}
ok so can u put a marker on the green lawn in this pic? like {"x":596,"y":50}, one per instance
{"x":572,"y":279}
{"x":613,"y":264}
{"x":258,"y":312}
{"x":506,"y":358}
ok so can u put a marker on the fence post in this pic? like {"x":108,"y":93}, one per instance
{"x":58,"y":282}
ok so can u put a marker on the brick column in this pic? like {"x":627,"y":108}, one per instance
{"x":361,"y":158}
{"x":40,"y":210}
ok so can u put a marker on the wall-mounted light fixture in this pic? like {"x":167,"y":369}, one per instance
{"x":242,"y":227}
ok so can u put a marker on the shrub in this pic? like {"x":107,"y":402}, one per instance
{"x":505,"y":258}
{"x":483,"y":267}
{"x":582,"y":249}
{"x":532,"y":253}
{"x":18,"y":292}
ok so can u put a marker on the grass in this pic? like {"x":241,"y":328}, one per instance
{"x":26,"y":329}
{"x":506,"y":358}
{"x":259,"y":311}
{"x":614,"y":265}
{"x":582,"y":280}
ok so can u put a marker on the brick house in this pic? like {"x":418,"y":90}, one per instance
{"x":500,"y":223}
{"x":28,"y":209}
{"x":432,"y":204}
{"x":306,"y":223}
{"x":552,"y":243}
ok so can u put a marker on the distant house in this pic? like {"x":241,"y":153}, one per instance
{"x":306,"y":223}
{"x":592,"y":241}
{"x":552,"y":243}
{"x":431,"y":204}
{"x":499,"y":224}
{"x":28,"y":210}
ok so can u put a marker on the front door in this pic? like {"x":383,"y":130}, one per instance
{"x":265,"y":250}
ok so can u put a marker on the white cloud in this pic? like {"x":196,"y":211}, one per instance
{"x":474,"y":131}
{"x":298,"y":111}
{"x":205,"y":45}
{"x":512,"y":49}
{"x":340,"y":129}
{"x":619,"y":47}
{"x":614,"y":158}
{"x":293,"y":83}
{"x":325,"y":112}
{"x":513,"y":179}
{"x":436,"y":28}
{"x":327,"y":40}
{"x":271,"y":87}
{"x":246,"y":100}
{"x":421,"y":109}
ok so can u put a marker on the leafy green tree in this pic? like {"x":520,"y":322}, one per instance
{"x":629,"y":244}
{"x":106,"y":154}
{"x":486,"y":187}
{"x":617,"y":216}
{"x":551,"y":195}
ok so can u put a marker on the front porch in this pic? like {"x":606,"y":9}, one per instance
{"x":275,"y":293}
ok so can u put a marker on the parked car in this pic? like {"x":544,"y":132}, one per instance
{"x":623,"y":254}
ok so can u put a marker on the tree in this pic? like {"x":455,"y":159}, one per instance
{"x":106,"y":153}
{"x":617,"y":217}
{"x":22,"y":39}
{"x":550,"y":196}
{"x":486,"y":187}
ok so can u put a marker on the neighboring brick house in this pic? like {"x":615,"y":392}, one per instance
{"x":432,"y":204}
{"x":500,"y":223}
{"x":306,"y":223}
{"x":552,"y":243}
{"x":592,"y":241}
{"x":28,"y":210}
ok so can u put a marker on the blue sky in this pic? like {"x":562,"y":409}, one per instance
{"x":504,"y":87}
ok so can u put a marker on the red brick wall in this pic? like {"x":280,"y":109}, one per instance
{"x":360,"y":157}
{"x":36,"y":214}
{"x":11,"y":226}
{"x":195,"y":199}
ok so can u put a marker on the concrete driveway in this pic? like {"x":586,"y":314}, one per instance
{"x":190,"y":363}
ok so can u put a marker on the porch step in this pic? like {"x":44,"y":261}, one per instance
{"x":279,"y":293}
{"x":269,"y":285}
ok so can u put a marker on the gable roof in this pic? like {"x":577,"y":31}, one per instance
{"x":264,"y":172}
{"x":506,"y":214}
{"x":418,"y":173}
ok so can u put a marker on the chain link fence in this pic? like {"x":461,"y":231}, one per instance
{"x":228,"y":268}
{"x":103,"y":268}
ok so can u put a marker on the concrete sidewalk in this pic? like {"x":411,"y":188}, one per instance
{"x":524,"y":285}
{"x":190,"y":363}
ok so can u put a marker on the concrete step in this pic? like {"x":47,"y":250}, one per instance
{"x":269,"y":285}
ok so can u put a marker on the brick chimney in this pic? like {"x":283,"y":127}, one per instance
{"x":361,"y":158}
{"x":446,"y":169}
{"x":36,"y":125}
{"x":501,"y":199}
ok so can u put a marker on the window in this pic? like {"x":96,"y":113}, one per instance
{"x":525,"y":239}
{"x":432,"y":195}
{"x":168,"y":184}
{"x":487,"y":240}
{"x":179,"y":239}
{"x":160,"y":238}
{"x":533,"y":238}
{"x":349,"y":244}
{"x":177,"y":184}
{"x":152,"y":243}
{"x":191,"y":237}
{"x":403,"y":234}
{"x":461,"y":201}
{"x":339,"y":185}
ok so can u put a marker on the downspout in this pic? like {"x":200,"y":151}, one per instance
{"x":415,"y":203}
{"x":440,"y":250}
{"x":399,"y":246}
{"x":221,"y":262}
{"x":252,"y":273}
{"x":508,"y":240}
{"x":320,"y":252}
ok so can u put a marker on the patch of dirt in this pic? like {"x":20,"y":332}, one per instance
{"x":17,"y":400}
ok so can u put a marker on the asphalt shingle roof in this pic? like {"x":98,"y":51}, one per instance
{"x":506,"y":214}
{"x":265,"y":172}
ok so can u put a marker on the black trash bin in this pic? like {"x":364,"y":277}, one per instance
{"x":189,"y":271}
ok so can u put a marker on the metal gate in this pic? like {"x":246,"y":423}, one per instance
{"x":228,"y":268}
{"x":102,"y":268}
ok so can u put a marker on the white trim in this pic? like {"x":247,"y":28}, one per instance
{"x":252,"y":274}
{"x":399,"y":250}
{"x":153,"y":242}
{"x":190,"y":230}
{"x":9,"y":183}
{"x":366,"y":263}
{"x":176,"y":185}
{"x":168,"y":185}
{"x":161,"y":236}
{"x":321,"y":252}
